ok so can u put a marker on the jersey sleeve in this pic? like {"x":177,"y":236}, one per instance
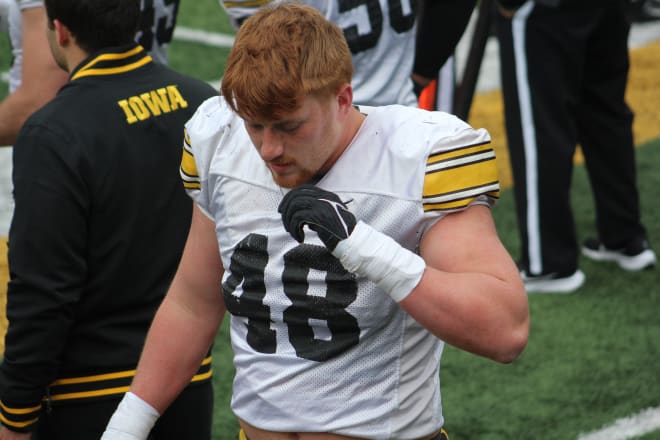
{"x":203,"y":135}
{"x":461,"y":170}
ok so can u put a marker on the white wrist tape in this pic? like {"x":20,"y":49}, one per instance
{"x":132,"y":420}
{"x":379,"y":258}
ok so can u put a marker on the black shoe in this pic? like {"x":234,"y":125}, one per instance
{"x":636,"y":256}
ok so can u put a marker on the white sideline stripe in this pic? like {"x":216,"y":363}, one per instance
{"x":643,"y":422}
{"x":215,"y":39}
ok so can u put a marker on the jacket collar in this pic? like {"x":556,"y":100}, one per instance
{"x":112,"y":61}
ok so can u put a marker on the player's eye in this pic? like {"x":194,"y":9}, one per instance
{"x":289,"y":127}
{"x":254,"y":127}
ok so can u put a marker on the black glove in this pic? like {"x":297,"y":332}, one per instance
{"x":323,"y":211}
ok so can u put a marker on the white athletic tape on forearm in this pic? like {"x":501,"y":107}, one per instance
{"x":382,"y":260}
{"x":132,"y":420}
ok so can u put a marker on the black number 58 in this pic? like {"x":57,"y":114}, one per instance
{"x":399,"y":21}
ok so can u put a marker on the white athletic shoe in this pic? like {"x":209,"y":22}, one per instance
{"x":634,"y":257}
{"x":553,"y":282}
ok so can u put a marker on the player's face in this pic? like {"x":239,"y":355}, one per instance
{"x":304,"y":143}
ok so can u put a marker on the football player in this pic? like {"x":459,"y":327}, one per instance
{"x":347,"y":243}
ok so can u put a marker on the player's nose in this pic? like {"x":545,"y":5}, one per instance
{"x":271,"y":145}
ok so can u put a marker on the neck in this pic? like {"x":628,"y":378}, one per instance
{"x":74,"y":56}
{"x":353,"y":124}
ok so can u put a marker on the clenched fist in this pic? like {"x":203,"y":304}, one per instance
{"x":321,"y":210}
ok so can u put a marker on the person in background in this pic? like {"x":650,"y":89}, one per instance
{"x":389,"y":48}
{"x":99,"y":225}
{"x":563,"y":88}
{"x":35,"y":78}
{"x":380,"y":35}
{"x":348,"y":243}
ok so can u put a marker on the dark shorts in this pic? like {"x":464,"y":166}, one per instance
{"x":189,"y":417}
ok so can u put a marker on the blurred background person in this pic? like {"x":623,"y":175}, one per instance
{"x":98,"y":229}
{"x":564,"y":70}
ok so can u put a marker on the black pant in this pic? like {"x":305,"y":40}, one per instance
{"x":564,"y":74}
{"x":189,"y":417}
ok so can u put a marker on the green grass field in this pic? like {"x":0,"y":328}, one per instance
{"x":592,"y":357}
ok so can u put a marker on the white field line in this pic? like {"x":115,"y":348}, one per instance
{"x":214,"y":39}
{"x":636,"y":425}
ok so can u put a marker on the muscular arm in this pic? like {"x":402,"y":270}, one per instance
{"x":471,"y":294}
{"x":40,"y":81}
{"x":186,"y":322}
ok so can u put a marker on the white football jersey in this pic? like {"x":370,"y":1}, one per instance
{"x":381,"y":36}
{"x":315,"y":347}
{"x":155,"y":32}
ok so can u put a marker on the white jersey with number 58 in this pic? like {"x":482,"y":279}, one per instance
{"x":380,"y":34}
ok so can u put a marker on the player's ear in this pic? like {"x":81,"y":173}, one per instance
{"x":345,"y":97}
{"x":62,"y":34}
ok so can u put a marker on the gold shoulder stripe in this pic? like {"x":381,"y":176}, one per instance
{"x":456,"y":177}
{"x":188,"y":169}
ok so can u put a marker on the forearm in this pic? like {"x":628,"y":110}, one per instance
{"x":476,"y":312}
{"x":471,"y":294}
{"x":176,"y":344}
{"x":465,"y":290}
{"x":187,"y":320}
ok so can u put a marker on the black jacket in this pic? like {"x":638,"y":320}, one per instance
{"x":100,"y":221}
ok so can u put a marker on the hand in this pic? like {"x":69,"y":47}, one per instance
{"x":323,"y":211}
{"x":7,"y":434}
{"x":419,"y":83}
